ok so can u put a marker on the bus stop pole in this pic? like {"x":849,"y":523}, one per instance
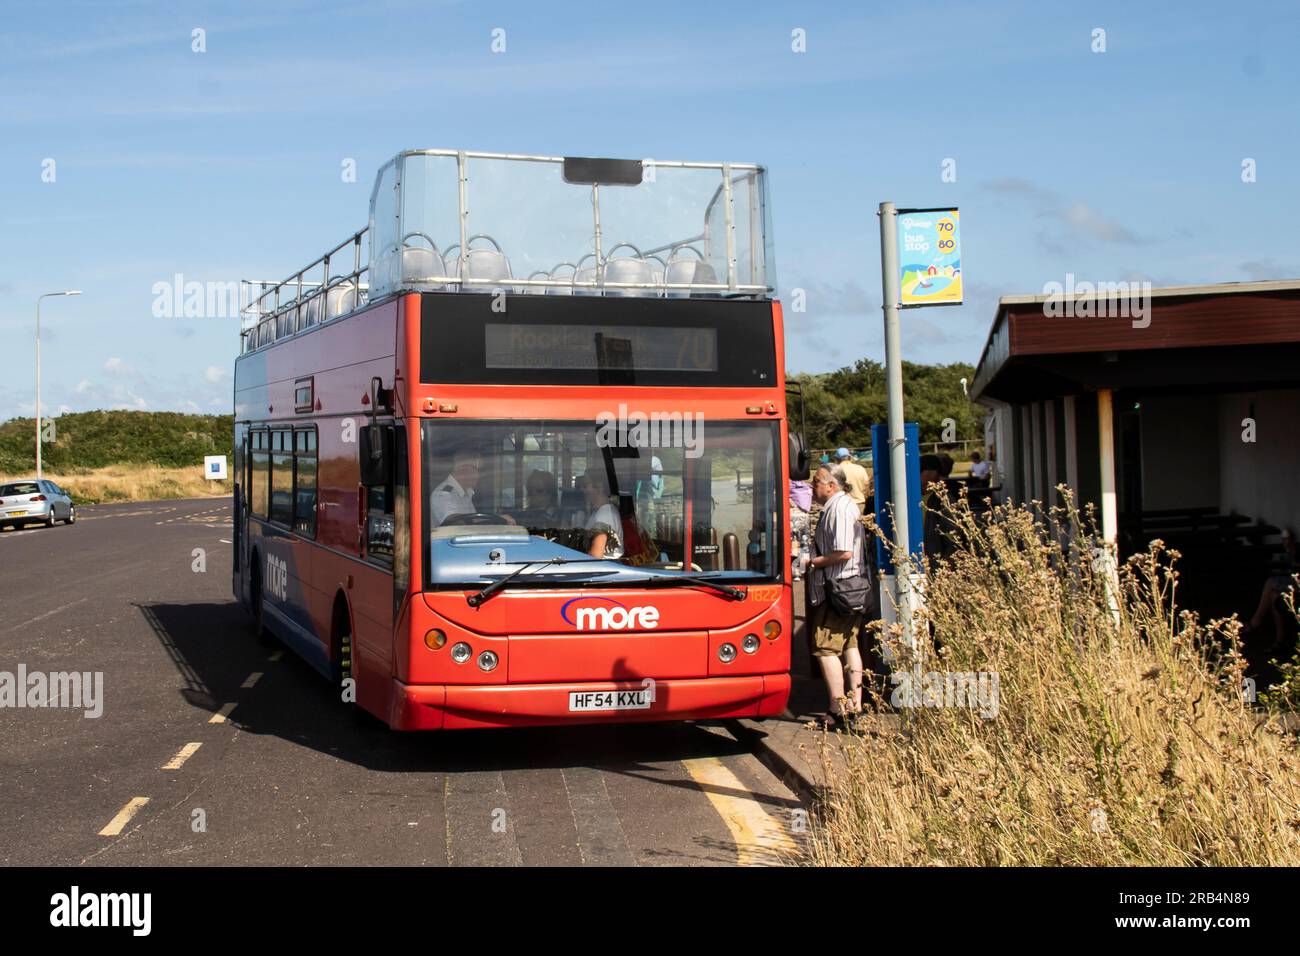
{"x":897,"y":438}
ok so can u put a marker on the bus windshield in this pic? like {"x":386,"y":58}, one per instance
{"x":638,"y":491}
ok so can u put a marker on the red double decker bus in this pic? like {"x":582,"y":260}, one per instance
{"x":516,"y":452}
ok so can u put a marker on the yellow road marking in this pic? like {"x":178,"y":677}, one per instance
{"x":116,"y":825}
{"x":220,"y":716}
{"x":252,"y":679}
{"x":182,"y":755}
{"x":760,"y":840}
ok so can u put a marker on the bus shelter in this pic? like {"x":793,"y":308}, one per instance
{"x":1175,"y":414}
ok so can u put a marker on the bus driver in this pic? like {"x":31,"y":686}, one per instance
{"x":454,"y":495}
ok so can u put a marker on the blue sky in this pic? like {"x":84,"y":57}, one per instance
{"x":1117,"y":165}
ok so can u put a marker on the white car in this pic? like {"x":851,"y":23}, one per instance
{"x":35,"y":499}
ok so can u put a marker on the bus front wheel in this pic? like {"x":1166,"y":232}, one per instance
{"x":341,"y":646}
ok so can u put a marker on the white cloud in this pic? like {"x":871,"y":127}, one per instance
{"x":1074,"y":220}
{"x":116,"y":366}
{"x":215,"y":374}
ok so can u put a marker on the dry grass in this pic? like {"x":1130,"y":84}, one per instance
{"x":1121,"y":736}
{"x":134,"y":483}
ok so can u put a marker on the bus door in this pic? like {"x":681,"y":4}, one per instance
{"x":374,"y":608}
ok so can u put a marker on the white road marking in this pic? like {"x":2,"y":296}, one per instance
{"x":277,"y":655}
{"x":41,"y":617}
{"x":252,"y":679}
{"x":119,"y":822}
{"x":220,"y":716}
{"x":182,"y":755}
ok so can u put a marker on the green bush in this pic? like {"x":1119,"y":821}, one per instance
{"x":841,"y":406}
{"x":103,"y":438}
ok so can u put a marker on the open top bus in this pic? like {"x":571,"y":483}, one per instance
{"x":516,"y":452}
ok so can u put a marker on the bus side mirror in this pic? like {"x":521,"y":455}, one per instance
{"x":800,"y":460}
{"x":376,"y":455}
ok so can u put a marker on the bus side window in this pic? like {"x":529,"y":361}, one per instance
{"x":379,"y":526}
{"x":304,"y":485}
{"x":380,"y":523}
{"x":259,"y":497}
{"x":282,"y":477}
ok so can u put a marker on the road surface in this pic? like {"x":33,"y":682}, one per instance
{"x":214,"y":749}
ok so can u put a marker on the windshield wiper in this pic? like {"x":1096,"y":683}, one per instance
{"x":735,"y":594}
{"x":486,"y":593}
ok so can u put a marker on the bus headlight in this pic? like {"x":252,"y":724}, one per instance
{"x":435,"y":639}
{"x":772,"y":630}
{"x":461,"y":652}
{"x":750,"y":644}
{"x":727,"y":653}
{"x":487,"y":661}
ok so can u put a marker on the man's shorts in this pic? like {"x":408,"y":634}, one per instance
{"x":833,"y":632}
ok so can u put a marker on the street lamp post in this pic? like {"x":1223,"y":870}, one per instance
{"x":38,"y":371}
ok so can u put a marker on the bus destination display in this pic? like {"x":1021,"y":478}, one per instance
{"x":640,"y":347}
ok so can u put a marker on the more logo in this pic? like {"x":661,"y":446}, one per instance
{"x":608,"y":616}
{"x":277,"y":577}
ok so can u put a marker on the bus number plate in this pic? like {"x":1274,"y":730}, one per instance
{"x":586,"y":700}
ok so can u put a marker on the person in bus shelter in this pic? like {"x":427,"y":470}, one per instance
{"x":604,"y":526}
{"x":454,"y":495}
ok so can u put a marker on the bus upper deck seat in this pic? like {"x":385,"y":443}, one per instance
{"x":487,"y":265}
{"x":339,"y":300}
{"x":311,"y":312}
{"x":625,"y":268}
{"x":286,"y":322}
{"x":562,"y":289}
{"x":688,"y":272}
{"x":482,"y":266}
{"x":628,"y":270}
{"x":422,"y":266}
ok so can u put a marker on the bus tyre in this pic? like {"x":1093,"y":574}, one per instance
{"x":343,"y":668}
{"x":341,"y":665}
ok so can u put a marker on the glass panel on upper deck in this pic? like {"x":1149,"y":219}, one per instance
{"x":679,"y":233}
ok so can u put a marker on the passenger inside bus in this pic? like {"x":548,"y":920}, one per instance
{"x":604,"y":539}
{"x":543,"y":499}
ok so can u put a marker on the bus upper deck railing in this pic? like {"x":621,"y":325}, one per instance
{"x":275,"y":310}
{"x":423,"y":237}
